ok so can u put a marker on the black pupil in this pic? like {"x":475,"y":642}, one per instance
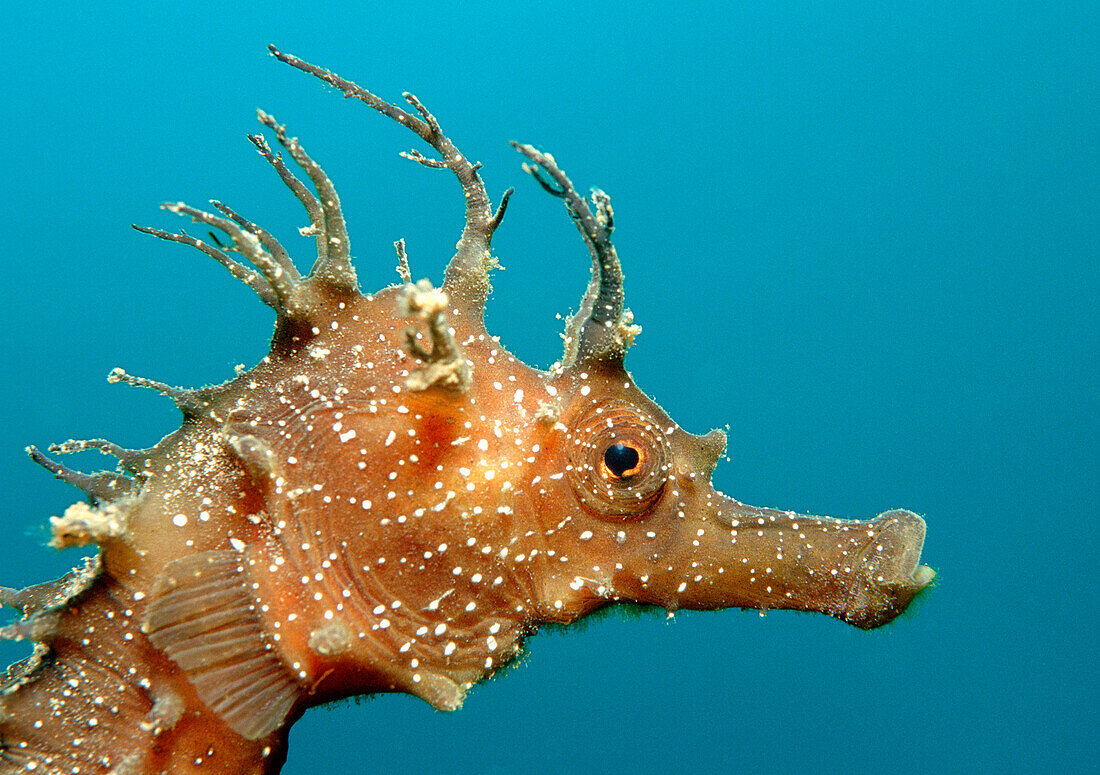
{"x":620,"y":458}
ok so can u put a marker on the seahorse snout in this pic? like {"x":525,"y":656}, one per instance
{"x":889,"y":573}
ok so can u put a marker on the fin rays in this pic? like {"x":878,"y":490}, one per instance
{"x":204,"y":618}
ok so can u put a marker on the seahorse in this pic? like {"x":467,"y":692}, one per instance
{"x":389,"y":502}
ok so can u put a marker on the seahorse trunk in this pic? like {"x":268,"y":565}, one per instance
{"x":101,"y":699}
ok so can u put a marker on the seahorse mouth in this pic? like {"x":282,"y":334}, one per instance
{"x":890,"y":574}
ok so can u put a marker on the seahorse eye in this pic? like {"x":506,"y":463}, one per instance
{"x":621,"y":460}
{"x":618,"y":461}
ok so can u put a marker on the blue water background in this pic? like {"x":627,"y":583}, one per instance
{"x":864,"y":236}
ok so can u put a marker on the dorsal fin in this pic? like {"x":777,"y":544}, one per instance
{"x":204,"y":617}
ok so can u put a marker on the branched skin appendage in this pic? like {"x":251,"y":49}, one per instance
{"x":82,"y":524}
{"x":443,"y":364}
{"x":385,"y":507}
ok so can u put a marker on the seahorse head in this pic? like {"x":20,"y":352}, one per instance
{"x":391,"y":501}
